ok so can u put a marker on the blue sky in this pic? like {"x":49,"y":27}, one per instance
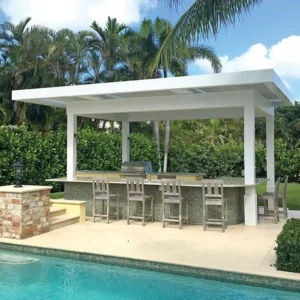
{"x":268,"y":38}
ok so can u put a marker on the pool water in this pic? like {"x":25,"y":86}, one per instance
{"x":43,"y":278}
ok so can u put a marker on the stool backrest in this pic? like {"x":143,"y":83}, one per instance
{"x":212,"y":188}
{"x":284,"y":190}
{"x":135,"y":186}
{"x":100,"y":185}
{"x":276,"y":191}
{"x":171,"y":187}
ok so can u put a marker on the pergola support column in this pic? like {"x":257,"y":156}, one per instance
{"x":125,"y":141}
{"x":270,"y":157}
{"x":71,"y":146}
{"x":250,"y":198}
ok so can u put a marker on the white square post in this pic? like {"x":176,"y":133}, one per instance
{"x":270,"y":157}
{"x":71,"y":146}
{"x":250,"y":198}
{"x":125,"y":141}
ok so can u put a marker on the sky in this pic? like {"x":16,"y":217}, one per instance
{"x":267,"y":38}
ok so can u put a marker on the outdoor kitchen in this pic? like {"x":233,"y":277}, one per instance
{"x":191,"y":185}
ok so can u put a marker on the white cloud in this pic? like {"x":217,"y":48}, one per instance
{"x":283,"y":57}
{"x":75,"y":14}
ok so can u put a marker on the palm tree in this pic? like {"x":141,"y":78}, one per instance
{"x":202,"y":19}
{"x":106,"y":46}
{"x":176,"y":64}
{"x":67,"y":54}
{"x":23,"y":51}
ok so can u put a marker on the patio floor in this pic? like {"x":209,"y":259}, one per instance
{"x":241,"y":248}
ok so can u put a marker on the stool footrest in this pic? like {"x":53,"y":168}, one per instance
{"x":214,"y":222}
{"x":139,"y":217}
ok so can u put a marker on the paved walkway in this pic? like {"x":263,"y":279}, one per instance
{"x":241,"y":248}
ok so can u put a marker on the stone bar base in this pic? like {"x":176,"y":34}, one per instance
{"x":24,"y":212}
{"x":234,"y":196}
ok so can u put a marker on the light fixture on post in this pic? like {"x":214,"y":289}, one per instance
{"x":18,"y":173}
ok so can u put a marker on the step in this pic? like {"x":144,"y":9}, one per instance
{"x":62,"y":221}
{"x":56,"y":211}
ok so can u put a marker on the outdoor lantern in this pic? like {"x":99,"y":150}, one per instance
{"x":19,"y":171}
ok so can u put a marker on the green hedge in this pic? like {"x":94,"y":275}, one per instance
{"x":288,"y":247}
{"x":45,"y":155}
{"x":227,"y":159}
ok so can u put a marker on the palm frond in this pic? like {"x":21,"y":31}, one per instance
{"x":205,"y":52}
{"x":203,"y":19}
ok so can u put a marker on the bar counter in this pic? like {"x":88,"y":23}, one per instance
{"x":234,"y":190}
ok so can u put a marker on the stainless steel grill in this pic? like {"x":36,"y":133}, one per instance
{"x":138,"y":169}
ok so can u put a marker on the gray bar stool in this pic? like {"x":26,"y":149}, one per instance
{"x":283,"y":198}
{"x":273,"y":213}
{"x":101,"y":193}
{"x":171,"y":194}
{"x":213,"y":195}
{"x":136,"y":193}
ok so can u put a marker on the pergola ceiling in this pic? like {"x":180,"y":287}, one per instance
{"x":116,"y":100}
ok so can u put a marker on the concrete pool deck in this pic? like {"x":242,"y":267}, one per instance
{"x":243,"y":249}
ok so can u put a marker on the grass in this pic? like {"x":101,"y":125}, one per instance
{"x":59,"y":195}
{"x":293,"y":193}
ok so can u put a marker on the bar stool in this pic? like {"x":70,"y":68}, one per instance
{"x":136,"y":193}
{"x":283,"y":198}
{"x":266,"y":197}
{"x":213,"y":195}
{"x":101,"y":193}
{"x":171,"y":194}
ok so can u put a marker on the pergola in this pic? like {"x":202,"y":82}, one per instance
{"x":245,"y":95}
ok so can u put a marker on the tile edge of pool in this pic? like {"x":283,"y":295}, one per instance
{"x":263,"y":281}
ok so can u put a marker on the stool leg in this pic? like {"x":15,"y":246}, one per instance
{"x":226,"y":213}
{"x":265,"y":207}
{"x":163,"y":214}
{"x":107,"y":209}
{"x":180,"y":214}
{"x":187,"y":212}
{"x":152,"y":210}
{"x":128,"y":211}
{"x":143,"y":213}
{"x":204,"y":216}
{"x":118,"y":201}
{"x":94,"y":208}
{"x":223,"y":217}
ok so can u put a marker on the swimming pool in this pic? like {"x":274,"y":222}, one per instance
{"x":24,"y":277}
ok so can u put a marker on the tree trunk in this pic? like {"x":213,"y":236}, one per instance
{"x":156,"y":136}
{"x":167,"y":142}
{"x":76,"y":73}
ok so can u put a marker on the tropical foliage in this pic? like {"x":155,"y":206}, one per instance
{"x":201,"y":20}
{"x":44,"y":156}
{"x":288,"y":247}
{"x":35,"y":57}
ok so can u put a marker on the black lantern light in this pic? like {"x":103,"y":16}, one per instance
{"x":19,"y":171}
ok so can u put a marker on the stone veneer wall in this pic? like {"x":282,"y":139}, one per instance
{"x":23,"y":215}
{"x":234,"y":196}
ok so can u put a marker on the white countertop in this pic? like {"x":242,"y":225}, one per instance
{"x":228,"y":181}
{"x":24,"y":189}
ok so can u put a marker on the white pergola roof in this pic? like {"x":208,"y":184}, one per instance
{"x":178,"y":98}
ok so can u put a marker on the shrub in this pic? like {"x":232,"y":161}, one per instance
{"x":45,"y":156}
{"x":288,"y":247}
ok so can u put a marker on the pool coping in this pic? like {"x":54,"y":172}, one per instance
{"x":271,"y":282}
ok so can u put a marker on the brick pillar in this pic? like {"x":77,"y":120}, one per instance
{"x":24,"y":212}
